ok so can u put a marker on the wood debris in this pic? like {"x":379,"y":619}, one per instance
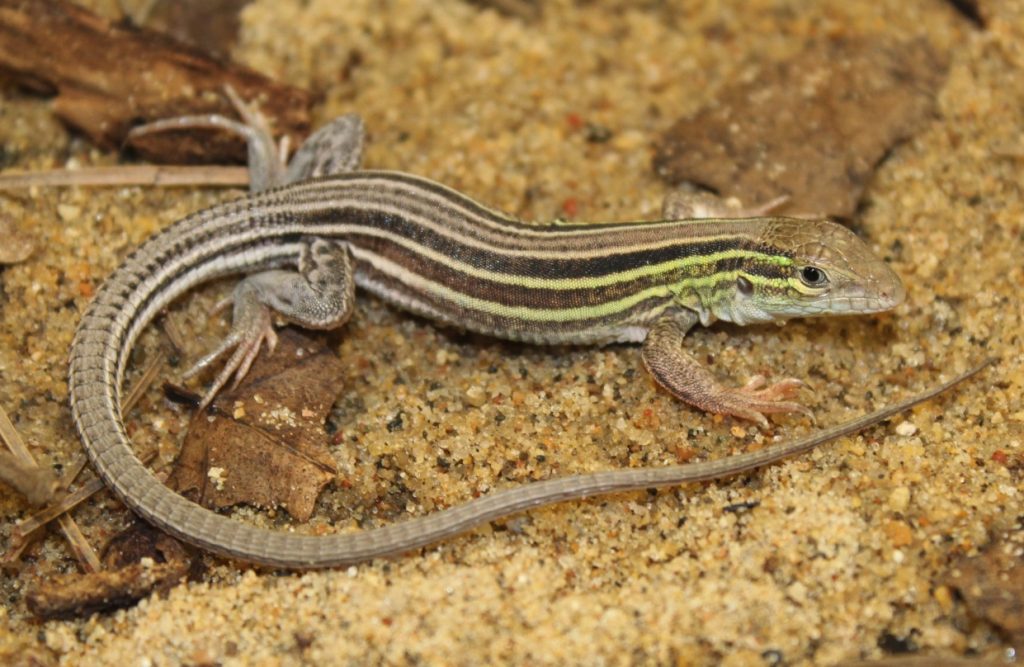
{"x":109,"y":77}
{"x":139,"y":561}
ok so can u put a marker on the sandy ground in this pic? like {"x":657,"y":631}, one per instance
{"x":848,"y":551}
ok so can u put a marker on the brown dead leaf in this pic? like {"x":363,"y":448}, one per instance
{"x":992,"y":586}
{"x":812,"y":128}
{"x":263,"y":443}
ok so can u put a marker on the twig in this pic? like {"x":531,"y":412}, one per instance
{"x":24,"y":532}
{"x":36,"y":484}
{"x":86,"y":556}
{"x":22,"y":536}
{"x":174,"y":336}
{"x":144,"y":175}
{"x":71,"y":472}
{"x":145,"y":381}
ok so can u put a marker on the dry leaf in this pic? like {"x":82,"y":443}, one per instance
{"x":812,"y":128}
{"x":264,"y":444}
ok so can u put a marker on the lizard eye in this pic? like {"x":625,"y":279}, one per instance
{"x":812,"y":276}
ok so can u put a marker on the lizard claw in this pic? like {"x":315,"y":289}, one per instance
{"x":253,"y":326}
{"x":318,"y":296}
{"x":757,"y":387}
{"x":756,"y":399}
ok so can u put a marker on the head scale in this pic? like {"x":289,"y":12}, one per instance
{"x":809,"y":267}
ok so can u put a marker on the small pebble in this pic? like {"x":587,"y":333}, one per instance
{"x":944,"y":598}
{"x":906,"y":429}
{"x":475,"y":396}
{"x":15,"y":246}
{"x":68,"y":212}
{"x":899,"y":499}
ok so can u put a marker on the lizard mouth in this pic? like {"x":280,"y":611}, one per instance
{"x":866,"y":300}
{"x":884,"y":290}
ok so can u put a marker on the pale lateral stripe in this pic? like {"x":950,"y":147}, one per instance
{"x":357,"y":200}
{"x":342,"y":231}
{"x":253,"y":256}
{"x":446,"y":293}
{"x":418,"y":282}
{"x":588,"y":282}
{"x":313,"y":207}
{"x":322,"y":190}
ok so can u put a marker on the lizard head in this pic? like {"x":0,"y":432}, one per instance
{"x":809,"y":268}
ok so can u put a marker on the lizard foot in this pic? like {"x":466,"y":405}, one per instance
{"x":754,"y":404}
{"x":758,"y":387}
{"x":691,"y":383}
{"x":755,"y":399}
{"x":266,"y":160}
{"x":253,"y":325}
{"x":319,"y":295}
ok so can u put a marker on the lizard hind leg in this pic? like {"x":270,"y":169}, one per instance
{"x":335,"y":148}
{"x":266,"y":160}
{"x":319,"y":295}
{"x":686,"y":204}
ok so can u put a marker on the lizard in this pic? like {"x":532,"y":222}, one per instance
{"x":326,"y":227}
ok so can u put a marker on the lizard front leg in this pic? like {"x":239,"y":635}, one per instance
{"x":678,"y":372}
{"x":320,"y":295}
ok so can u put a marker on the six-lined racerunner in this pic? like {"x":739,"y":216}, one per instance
{"x":427,"y":249}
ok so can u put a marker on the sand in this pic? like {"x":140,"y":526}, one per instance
{"x":846,"y":552}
